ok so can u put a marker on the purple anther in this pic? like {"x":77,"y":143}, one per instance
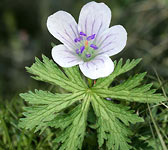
{"x":109,"y":99}
{"x":81,"y":38}
{"x":77,"y":40}
{"x":88,"y":55}
{"x":91,"y":37}
{"x":83,"y":34}
{"x":82,"y":49}
{"x":77,"y":51}
{"x":93,"y":46}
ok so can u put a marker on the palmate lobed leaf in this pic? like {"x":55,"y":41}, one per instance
{"x":48,"y":71}
{"x":134,"y":95}
{"x":47,"y":109}
{"x":119,"y":69}
{"x":73,"y":126}
{"x":48,"y":105}
{"x":110,"y":120}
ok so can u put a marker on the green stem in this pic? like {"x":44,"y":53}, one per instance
{"x":90,"y":82}
{"x":6,"y":132}
{"x":157,"y":130}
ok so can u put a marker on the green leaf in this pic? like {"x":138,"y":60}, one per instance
{"x":49,"y":72}
{"x":112,"y":121}
{"x":74,"y":75}
{"x":49,"y":105}
{"x":131,"y":90}
{"x":73,"y":126}
{"x":119,"y":69}
{"x":131,"y":95}
{"x":130,"y":83}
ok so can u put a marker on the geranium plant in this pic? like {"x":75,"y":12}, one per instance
{"x":89,"y":45}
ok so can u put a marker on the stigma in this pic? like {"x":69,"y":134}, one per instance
{"x":86,"y":43}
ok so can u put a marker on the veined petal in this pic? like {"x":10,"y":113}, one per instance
{"x":94,"y":18}
{"x":112,"y":41}
{"x":63,"y":27}
{"x":100,"y":66}
{"x":65,"y":57}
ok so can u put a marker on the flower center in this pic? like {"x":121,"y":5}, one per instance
{"x":87,"y":48}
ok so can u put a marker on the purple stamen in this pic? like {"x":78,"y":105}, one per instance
{"x":88,"y":55}
{"x":78,"y":39}
{"x":109,"y":99}
{"x":93,"y":46}
{"x":82,"y":49}
{"x":83,"y":34}
{"x":91,"y":37}
{"x":77,"y":51}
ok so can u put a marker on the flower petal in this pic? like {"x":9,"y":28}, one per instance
{"x":112,"y":41}
{"x":63,"y":27}
{"x":64,"y":57}
{"x":94,"y":18}
{"x":100,"y":66}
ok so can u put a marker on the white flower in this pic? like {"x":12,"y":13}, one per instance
{"x":90,"y":43}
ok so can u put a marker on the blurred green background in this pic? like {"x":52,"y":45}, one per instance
{"x":24,"y":35}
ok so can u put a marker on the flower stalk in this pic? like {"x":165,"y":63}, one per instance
{"x":90,"y":82}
